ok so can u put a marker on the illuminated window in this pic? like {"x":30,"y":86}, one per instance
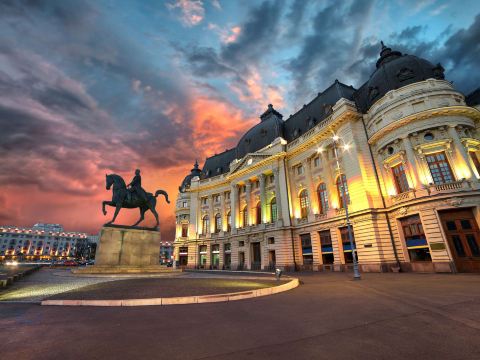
{"x":326,"y":246}
{"x":184,"y":230}
{"x":229,"y":221}
{"x":273,"y":210}
{"x":415,"y":239}
{"x":258,"y":213}
{"x":440,"y":168}
{"x":304,"y":204}
{"x":400,"y":178}
{"x":322,"y":198}
{"x":218,"y":223}
{"x":307,"y":252}
{"x":205,"y":225}
{"x":347,"y":248}
{"x":342,"y":182}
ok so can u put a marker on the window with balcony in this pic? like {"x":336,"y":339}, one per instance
{"x":322,"y":198}
{"x":205,"y":225}
{"x":218,"y":223}
{"x":304,"y":204}
{"x":258,"y":213}
{"x":342,"y":190}
{"x":184,"y":230}
{"x":440,"y":168}
{"x":415,"y":239}
{"x":273,"y":210}
{"x":400,"y":178}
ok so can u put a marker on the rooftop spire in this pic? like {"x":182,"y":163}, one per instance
{"x":386,"y":55}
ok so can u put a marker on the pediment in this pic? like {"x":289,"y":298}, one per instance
{"x":248,"y":161}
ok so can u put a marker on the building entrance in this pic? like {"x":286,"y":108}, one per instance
{"x":256,"y":256}
{"x":463,"y":238}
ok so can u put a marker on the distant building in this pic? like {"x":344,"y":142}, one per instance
{"x":166,"y":252}
{"x":408,"y":147}
{"x":42,"y":241}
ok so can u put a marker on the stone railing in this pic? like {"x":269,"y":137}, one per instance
{"x":453,"y":186}
{"x":320,"y":216}
{"x":340,"y":211}
{"x":407,"y":195}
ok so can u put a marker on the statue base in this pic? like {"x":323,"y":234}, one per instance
{"x":126,"y":246}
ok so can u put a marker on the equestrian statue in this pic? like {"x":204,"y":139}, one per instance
{"x":131,"y":197}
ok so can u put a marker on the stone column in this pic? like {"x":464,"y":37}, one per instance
{"x":276,"y":177}
{"x":412,"y":162}
{"x":234,"y":206}
{"x":310,"y":186}
{"x":248,"y":199}
{"x":263,"y":198}
{"x":460,"y":149}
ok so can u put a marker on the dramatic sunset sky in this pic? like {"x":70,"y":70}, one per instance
{"x":94,"y":87}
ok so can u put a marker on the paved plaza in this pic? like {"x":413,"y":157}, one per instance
{"x":329,"y":316}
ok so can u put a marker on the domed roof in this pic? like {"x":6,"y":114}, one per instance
{"x":262,"y":134}
{"x":188,"y":179}
{"x":395,"y":70}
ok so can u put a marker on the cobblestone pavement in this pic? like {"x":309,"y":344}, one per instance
{"x":44,"y":283}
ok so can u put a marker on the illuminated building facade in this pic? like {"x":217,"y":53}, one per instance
{"x":409,"y":156}
{"x":42,"y":241}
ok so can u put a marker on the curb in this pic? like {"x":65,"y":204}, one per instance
{"x":183,"y":300}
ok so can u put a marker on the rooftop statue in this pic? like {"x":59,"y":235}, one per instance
{"x":131,"y":196}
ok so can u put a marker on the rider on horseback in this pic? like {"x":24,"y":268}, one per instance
{"x":136,"y":186}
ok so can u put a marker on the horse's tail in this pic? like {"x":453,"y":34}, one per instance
{"x":164,"y":193}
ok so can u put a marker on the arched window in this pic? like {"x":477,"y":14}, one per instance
{"x":273,"y":210}
{"x":342,"y":179}
{"x":205,"y":225}
{"x":258,"y":213}
{"x":229,"y":221}
{"x":322,"y":198}
{"x":244,"y":216}
{"x":304,"y":203}
{"x":218,"y":223}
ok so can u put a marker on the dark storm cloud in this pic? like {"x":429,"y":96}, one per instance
{"x":206,"y":62}
{"x":295,"y":18}
{"x":327,"y":52}
{"x":258,"y":35}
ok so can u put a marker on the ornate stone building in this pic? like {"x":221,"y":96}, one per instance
{"x":409,"y":154}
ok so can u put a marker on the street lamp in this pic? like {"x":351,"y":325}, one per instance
{"x":356,"y":273}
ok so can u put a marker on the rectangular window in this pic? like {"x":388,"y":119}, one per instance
{"x":415,"y":239}
{"x":204,"y":201}
{"x":316,"y":161}
{"x":227,"y":247}
{"x":299,"y":170}
{"x":241,"y":243}
{"x":307,"y":252}
{"x":440,"y":168}
{"x":202,"y":250}
{"x":216,"y":198}
{"x":227,"y":195}
{"x":271,"y":240}
{"x":326,"y":246}
{"x":184,"y":230}
{"x":347,"y":248}
{"x":184,"y":204}
{"x":400,"y":178}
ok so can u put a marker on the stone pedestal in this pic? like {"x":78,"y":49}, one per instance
{"x":128,"y":247}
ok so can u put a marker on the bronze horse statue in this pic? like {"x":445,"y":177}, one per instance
{"x":123,"y":198}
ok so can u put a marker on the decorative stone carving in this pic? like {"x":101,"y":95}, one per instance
{"x":405,"y":74}
{"x":403,"y":210}
{"x":455,"y":201}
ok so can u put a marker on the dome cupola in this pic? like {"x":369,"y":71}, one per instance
{"x":188,"y":179}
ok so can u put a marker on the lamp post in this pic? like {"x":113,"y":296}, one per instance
{"x":356,"y":273}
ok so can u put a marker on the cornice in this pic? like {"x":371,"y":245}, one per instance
{"x":444,"y":111}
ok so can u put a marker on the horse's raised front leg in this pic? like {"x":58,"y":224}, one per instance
{"x":109,"y":203}
{"x":117,"y":210}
